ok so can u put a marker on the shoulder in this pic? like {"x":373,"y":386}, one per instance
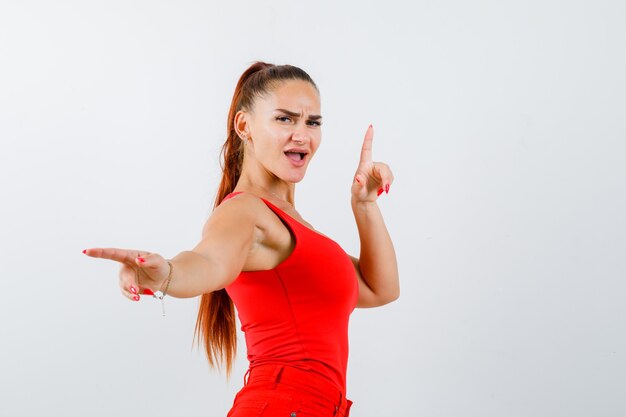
{"x":244,"y":206}
{"x":239,"y":210}
{"x":242,"y":202}
{"x":245,"y":217}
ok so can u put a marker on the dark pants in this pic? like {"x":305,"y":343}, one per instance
{"x":285,"y":391}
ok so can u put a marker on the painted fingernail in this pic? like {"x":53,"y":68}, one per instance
{"x":136,"y":298}
{"x":387,"y":188}
{"x":133,"y":290}
{"x":380,"y":191}
{"x":148,"y":291}
{"x":141,"y":259}
{"x":85,"y":251}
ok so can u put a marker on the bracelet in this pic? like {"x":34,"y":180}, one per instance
{"x":160,"y":294}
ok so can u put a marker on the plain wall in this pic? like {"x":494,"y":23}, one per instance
{"x":503,"y":122}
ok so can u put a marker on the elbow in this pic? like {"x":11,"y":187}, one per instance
{"x":394,"y":297}
{"x":395,"y":294}
{"x":390,"y":297}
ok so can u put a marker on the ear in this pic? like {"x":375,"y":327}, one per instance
{"x":242,"y":124}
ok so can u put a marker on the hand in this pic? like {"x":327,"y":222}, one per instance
{"x":371,"y":178}
{"x":136,"y":276}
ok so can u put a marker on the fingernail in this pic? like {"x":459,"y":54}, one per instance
{"x":148,"y":291}
{"x":136,"y":298}
{"x":380,"y":191}
{"x":387,"y":188}
{"x":357,"y":179}
{"x":141,"y":259}
{"x":84,"y":250}
{"x":133,"y":290}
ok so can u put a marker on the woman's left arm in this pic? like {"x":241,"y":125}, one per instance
{"x":376,"y":268}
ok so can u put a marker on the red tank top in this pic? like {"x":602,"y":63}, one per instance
{"x":298,"y":312}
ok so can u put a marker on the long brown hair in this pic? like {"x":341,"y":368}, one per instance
{"x":216,"y":325}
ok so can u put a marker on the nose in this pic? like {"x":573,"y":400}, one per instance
{"x":301,"y":133}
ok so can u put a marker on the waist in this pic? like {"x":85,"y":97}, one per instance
{"x":311,"y":382}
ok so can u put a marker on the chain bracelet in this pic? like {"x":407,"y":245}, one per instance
{"x":161,"y":294}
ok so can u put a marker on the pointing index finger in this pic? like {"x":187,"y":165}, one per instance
{"x":114,"y":254}
{"x":366,"y":149}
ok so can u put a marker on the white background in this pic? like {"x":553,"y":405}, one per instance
{"x":504,"y":123}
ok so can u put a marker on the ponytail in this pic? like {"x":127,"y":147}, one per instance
{"x":216,"y":326}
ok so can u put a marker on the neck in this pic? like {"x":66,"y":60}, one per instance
{"x":266,"y":184}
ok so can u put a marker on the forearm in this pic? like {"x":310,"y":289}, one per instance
{"x":377,"y":260}
{"x":191,"y":275}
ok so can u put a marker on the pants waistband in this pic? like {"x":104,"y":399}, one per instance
{"x":280,"y":374}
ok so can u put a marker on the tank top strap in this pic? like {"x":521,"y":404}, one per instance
{"x":279,"y":212}
{"x":234,"y":193}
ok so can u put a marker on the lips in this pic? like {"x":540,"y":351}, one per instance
{"x":296,"y":156}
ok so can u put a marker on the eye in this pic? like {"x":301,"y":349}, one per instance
{"x":315,"y":123}
{"x":283,"y":118}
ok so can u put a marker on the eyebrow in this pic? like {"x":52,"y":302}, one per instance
{"x":292,"y":114}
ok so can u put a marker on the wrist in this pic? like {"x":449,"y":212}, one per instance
{"x":162,"y":292}
{"x":361,"y":206}
{"x":163,"y":286}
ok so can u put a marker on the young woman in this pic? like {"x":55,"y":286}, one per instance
{"x":294,"y":288}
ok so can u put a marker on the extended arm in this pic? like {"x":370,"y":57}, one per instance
{"x":228,"y":237}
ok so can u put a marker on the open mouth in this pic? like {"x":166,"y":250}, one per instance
{"x":295,"y":156}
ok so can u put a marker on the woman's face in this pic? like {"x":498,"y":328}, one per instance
{"x":284,"y":127}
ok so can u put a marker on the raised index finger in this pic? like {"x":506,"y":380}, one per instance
{"x":366,"y":149}
{"x":114,"y":254}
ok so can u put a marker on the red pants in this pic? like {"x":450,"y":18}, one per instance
{"x":285,"y":391}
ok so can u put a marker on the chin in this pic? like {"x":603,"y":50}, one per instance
{"x":293,"y":177}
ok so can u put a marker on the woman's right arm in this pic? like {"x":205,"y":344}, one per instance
{"x":228,"y":237}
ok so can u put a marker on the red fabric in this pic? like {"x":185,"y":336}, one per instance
{"x":280,"y":390}
{"x":297,"y":313}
